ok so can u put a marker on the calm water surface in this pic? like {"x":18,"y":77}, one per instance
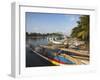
{"x":32,"y":59}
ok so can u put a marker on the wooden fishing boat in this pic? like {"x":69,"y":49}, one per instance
{"x":57,"y":59}
{"x":82,"y":57}
{"x":55,"y":41}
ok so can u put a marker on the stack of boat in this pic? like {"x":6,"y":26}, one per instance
{"x":62,"y":56}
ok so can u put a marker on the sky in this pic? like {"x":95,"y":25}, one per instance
{"x":50,"y":22}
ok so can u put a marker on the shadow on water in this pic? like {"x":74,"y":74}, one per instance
{"x":34,"y":60}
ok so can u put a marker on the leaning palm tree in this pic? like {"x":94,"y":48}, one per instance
{"x":84,"y":32}
{"x":82,"y":29}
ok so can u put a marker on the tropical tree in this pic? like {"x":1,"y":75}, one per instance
{"x":81,"y":31}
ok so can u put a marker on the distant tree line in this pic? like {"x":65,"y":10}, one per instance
{"x":43,"y":34}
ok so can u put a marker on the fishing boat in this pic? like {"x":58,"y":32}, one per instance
{"x":55,"y":57}
{"x":80,"y":56}
{"x":54,"y":40}
{"x":71,"y":42}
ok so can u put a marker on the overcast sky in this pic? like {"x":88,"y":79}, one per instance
{"x":48,"y":23}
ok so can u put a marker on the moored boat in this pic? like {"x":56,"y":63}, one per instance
{"x":55,"y":57}
{"x":54,"y":40}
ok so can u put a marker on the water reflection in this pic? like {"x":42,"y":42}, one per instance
{"x":36,"y":41}
{"x":32,"y":59}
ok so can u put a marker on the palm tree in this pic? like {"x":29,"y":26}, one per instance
{"x":82,"y":29}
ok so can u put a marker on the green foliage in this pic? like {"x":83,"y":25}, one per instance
{"x":81,"y":31}
{"x":44,"y":34}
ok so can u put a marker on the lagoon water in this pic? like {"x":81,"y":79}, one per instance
{"x":37,"y":41}
{"x":32,"y":59}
